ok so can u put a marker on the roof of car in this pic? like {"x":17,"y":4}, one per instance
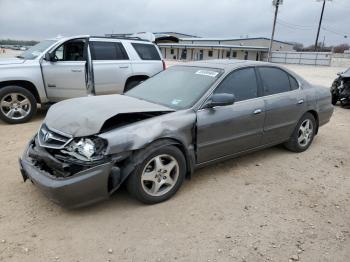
{"x":130,"y":39}
{"x":226,"y":64}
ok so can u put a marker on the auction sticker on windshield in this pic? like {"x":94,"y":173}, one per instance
{"x":176,"y":101}
{"x":207,"y":73}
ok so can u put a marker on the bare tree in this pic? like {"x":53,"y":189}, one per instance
{"x":341,"y":48}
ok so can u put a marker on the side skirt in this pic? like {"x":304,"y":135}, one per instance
{"x":223,"y":158}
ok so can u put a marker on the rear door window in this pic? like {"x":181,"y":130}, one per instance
{"x":293,"y":83}
{"x":108,"y":51}
{"x":241,"y":83}
{"x":146,"y":51}
{"x":274,"y":80}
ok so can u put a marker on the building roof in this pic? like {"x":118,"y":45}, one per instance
{"x":188,"y":37}
{"x":231,"y":39}
{"x":217,"y":46}
{"x":177,"y":33}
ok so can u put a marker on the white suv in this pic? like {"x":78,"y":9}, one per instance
{"x":57,"y":69}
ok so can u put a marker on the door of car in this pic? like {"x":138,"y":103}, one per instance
{"x":111,"y":66}
{"x":65,"y":74}
{"x":228,"y":130}
{"x":284,"y":104}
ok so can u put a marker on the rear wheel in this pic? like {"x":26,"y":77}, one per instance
{"x":159,"y":175}
{"x":17,"y":105}
{"x":303,"y":134}
{"x":131,"y":84}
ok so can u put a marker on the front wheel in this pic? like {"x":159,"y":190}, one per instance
{"x":303,"y":134}
{"x":159,"y":175}
{"x":17,"y":104}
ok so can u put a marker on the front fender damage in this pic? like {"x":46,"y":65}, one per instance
{"x":174,"y":128}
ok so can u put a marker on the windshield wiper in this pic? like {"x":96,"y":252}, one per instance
{"x":19,"y":56}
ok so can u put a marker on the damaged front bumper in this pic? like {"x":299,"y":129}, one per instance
{"x":85,"y":187}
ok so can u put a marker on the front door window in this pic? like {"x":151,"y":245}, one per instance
{"x":71,"y":51}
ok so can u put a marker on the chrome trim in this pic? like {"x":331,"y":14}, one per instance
{"x":53,"y":135}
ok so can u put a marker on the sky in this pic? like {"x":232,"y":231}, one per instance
{"x":297,"y":19}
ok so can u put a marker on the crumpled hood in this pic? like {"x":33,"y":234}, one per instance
{"x":345,"y":74}
{"x":85,"y":116}
{"x":11,"y":61}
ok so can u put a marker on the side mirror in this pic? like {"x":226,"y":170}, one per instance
{"x":339,"y":73}
{"x":49,"y":57}
{"x":220,"y":99}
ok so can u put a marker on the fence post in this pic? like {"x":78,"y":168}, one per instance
{"x":285,"y":57}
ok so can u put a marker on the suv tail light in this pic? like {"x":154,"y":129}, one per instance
{"x":164,"y":65}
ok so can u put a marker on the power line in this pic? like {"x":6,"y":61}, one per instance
{"x":293,"y":27}
{"x":335,"y":32}
{"x":307,"y":27}
{"x":292,"y":24}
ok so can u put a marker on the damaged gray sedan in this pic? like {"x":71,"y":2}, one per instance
{"x":158,"y":133}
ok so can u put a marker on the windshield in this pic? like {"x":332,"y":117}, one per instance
{"x":178,"y":87}
{"x":37,"y":49}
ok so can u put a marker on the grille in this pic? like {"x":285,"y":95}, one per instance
{"x":52,"y":139}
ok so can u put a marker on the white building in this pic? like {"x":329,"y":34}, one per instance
{"x":189,"y":47}
{"x":198,"y":48}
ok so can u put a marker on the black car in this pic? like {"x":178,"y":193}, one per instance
{"x":341,"y":88}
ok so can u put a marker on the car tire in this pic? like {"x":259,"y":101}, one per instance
{"x":159,"y":175}
{"x":303,"y":134}
{"x":17,"y":105}
{"x":131,"y":84}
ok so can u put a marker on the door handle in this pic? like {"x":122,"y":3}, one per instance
{"x":257,"y":111}
{"x":76,"y":70}
{"x":123,"y":66}
{"x":301,"y":101}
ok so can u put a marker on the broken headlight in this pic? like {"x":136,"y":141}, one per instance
{"x":86,"y":149}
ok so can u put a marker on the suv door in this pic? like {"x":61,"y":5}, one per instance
{"x":228,"y":130}
{"x":111,"y":66}
{"x":284,"y":103}
{"x":65,"y":76}
{"x":148,"y":59}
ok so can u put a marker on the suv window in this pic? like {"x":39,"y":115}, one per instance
{"x":108,"y":51}
{"x":241,"y":83}
{"x":71,"y":51}
{"x":146,"y":51}
{"x":274,"y":80}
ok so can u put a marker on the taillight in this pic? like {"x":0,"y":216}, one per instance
{"x":164,"y":65}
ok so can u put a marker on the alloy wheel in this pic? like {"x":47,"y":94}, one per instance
{"x":305,"y":133}
{"x":160,"y":175}
{"x":15,"y":106}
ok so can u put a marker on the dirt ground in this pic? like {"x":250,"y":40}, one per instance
{"x":272,"y":205}
{"x":9,"y":53}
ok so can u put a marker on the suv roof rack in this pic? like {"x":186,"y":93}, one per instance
{"x":120,"y":37}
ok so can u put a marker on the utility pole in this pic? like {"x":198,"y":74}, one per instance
{"x":276,"y":3}
{"x":320,"y":23}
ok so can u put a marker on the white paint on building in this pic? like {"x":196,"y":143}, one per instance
{"x":197,"y":48}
